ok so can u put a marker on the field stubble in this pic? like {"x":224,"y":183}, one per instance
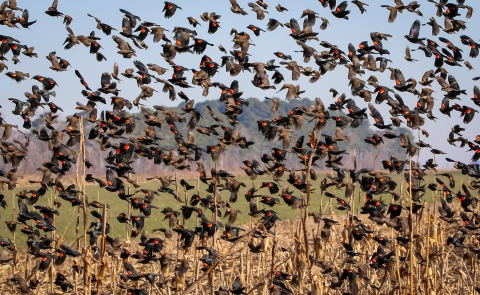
{"x":447,"y":269}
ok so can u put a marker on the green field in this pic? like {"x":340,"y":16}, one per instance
{"x":68,"y":215}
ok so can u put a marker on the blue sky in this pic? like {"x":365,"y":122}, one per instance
{"x":49,"y":33}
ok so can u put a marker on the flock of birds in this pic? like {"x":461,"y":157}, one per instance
{"x":110,"y":127}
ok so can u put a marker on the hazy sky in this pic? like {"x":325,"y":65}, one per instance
{"x":49,"y":33}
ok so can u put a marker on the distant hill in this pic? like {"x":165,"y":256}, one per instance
{"x":232,"y":158}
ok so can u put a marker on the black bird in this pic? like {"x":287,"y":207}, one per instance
{"x":414,"y":33}
{"x":170,"y":9}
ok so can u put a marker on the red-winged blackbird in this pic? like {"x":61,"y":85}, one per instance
{"x":341,"y":10}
